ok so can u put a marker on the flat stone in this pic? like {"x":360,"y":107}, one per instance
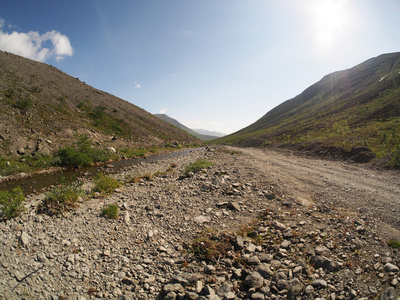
{"x":202,"y":219}
{"x":391,"y":268}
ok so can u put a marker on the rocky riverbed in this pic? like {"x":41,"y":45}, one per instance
{"x":230,"y":232}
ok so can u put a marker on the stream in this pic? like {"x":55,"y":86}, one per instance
{"x":39,"y":182}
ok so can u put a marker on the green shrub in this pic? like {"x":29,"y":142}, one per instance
{"x":61,"y":199}
{"x":197,"y":166}
{"x":81,"y":154}
{"x":394,"y":244}
{"x":110,"y":211}
{"x":210,"y":245}
{"x":11,"y":166}
{"x":38,"y":160}
{"x":24,"y":104}
{"x":11,"y":203}
{"x":8,"y":92}
{"x":105,"y":184}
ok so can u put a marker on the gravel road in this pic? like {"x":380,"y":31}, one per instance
{"x":334,"y":183}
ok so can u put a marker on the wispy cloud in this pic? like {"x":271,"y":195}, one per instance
{"x":32,"y":44}
{"x":137,"y":85}
{"x":163,"y":111}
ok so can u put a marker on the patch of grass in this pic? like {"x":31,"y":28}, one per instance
{"x":11,"y":166}
{"x":198,"y":166}
{"x":145,"y":177}
{"x":81,"y":154}
{"x":110,"y":211}
{"x":210,"y":245}
{"x":11,"y":203}
{"x":37,"y":160}
{"x":23,"y":104}
{"x":394,"y":244}
{"x":105,"y":184}
{"x":8,"y":92}
{"x":35,"y":89}
{"x":61,"y":199}
{"x":128,"y":152}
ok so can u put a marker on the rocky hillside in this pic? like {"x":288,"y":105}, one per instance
{"x":358,"y":107}
{"x":42,"y":109}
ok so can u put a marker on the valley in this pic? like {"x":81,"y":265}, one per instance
{"x":256,"y":224}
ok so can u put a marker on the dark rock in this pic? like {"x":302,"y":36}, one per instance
{"x":389,"y":294}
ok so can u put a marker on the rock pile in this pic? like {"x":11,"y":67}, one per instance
{"x":225,"y":233}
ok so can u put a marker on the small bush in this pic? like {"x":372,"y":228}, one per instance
{"x":61,"y":199}
{"x":110,"y":211}
{"x":11,"y":203}
{"x":211,"y":245}
{"x":197,"y":166}
{"x":24,"y":104}
{"x":394,"y":244}
{"x":105,"y":184}
{"x":8,"y":92}
{"x":81,"y":154}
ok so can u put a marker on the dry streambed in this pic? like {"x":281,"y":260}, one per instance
{"x":236,"y":231}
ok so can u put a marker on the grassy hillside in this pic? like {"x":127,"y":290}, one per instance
{"x":43,"y":109}
{"x":358,"y":107}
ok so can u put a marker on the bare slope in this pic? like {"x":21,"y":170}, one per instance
{"x":355,"y":107}
{"x":42,"y":107}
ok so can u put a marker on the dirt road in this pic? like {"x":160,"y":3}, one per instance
{"x":313,"y":181}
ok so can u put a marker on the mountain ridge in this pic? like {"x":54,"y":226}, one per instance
{"x":339,"y":111}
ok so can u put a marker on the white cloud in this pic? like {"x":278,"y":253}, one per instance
{"x":137,"y":85}
{"x":31,"y":44}
{"x":163,"y":111}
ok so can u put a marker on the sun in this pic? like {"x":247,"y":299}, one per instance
{"x":329,"y":19}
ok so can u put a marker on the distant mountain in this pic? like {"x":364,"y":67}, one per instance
{"x":41,"y":107}
{"x":199,"y":133}
{"x":358,"y":107}
{"x":210,"y":133}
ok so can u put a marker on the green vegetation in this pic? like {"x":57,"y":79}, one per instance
{"x":110,"y":211}
{"x":61,"y":199}
{"x":392,"y":142}
{"x":11,"y":166}
{"x":23,"y":104}
{"x":9,"y":92}
{"x":11,"y":203}
{"x":81,"y":154}
{"x":394,"y":244}
{"x":210,"y":245}
{"x":105,"y":184}
{"x":198,"y":166}
{"x":334,"y":116}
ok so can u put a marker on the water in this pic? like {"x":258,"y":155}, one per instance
{"x":37,"y":183}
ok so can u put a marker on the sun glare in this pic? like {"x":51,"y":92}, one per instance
{"x":329,"y":22}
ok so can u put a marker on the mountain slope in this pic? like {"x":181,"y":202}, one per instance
{"x":176,"y":123}
{"x":42,"y":107}
{"x":355,"y":107}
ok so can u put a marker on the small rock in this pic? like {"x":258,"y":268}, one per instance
{"x":319,"y":284}
{"x":391,"y":268}
{"x":254,"y":280}
{"x":24,"y":239}
{"x":389,"y":294}
{"x":202,"y":219}
{"x":173,"y":287}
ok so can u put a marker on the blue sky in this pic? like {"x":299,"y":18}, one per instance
{"x":211,"y":64}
